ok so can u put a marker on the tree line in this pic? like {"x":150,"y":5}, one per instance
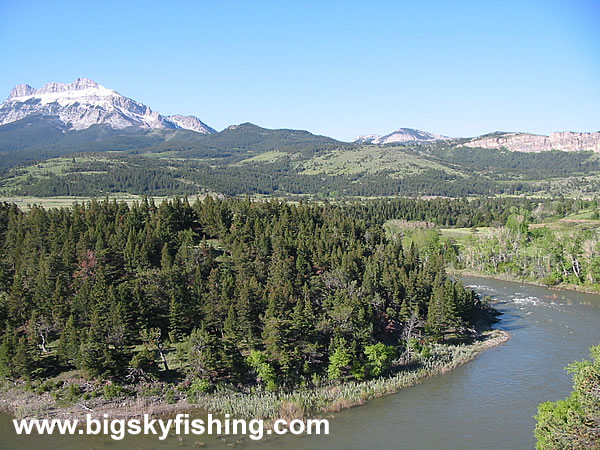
{"x":568,"y":254}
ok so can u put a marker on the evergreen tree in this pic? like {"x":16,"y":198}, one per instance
{"x":176,"y":319}
{"x":69,"y":343}
{"x":95,"y":357}
{"x":23,"y":361}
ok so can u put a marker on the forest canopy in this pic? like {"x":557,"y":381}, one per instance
{"x":265,"y":294}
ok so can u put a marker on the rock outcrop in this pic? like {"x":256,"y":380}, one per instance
{"x":522,"y":142}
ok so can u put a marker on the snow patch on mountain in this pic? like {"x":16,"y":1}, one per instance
{"x":84,"y":103}
{"x":401,"y":135}
{"x":190,"y":123}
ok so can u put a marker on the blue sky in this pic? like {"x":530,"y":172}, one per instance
{"x":335,"y":68}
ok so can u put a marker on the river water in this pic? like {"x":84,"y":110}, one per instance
{"x":488,"y":403}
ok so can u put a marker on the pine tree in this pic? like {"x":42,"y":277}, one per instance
{"x":95,"y":357}
{"x":17,"y":304}
{"x":231,"y":324}
{"x":451,"y":317}
{"x":166,"y":260}
{"x":176,"y":319}
{"x":23,"y":361}
{"x":204,"y":355}
{"x":69,"y":344}
{"x":436,"y":313}
{"x":7,"y":350}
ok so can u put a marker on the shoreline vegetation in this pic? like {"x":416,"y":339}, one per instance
{"x":22,"y":400}
{"x":573,"y":422}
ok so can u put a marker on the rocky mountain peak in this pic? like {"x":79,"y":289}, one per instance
{"x":190,"y":123}
{"x":21,"y":90}
{"x":400,"y":135}
{"x":84,"y":103}
{"x":83,"y":83}
{"x":79,"y":84}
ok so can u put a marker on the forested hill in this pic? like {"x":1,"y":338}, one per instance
{"x":253,"y":294}
{"x":248,"y":137}
{"x":38,"y":138}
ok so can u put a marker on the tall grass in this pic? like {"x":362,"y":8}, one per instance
{"x":334,"y":397}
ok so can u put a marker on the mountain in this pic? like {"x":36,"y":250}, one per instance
{"x":190,"y":123}
{"x":84,"y":103}
{"x":400,"y":136}
{"x":248,"y":137}
{"x":567,"y":141}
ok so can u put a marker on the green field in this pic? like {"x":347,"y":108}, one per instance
{"x":372,"y":159}
{"x":461,"y":233}
{"x":55,"y":167}
{"x":266,"y":157}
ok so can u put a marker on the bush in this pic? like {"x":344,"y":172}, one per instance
{"x":199,"y":386}
{"x":339,"y":363}
{"x":170,"y":396}
{"x":72,"y":393}
{"x":415,"y":345}
{"x":426,"y":351}
{"x":551,"y":280}
{"x":112,"y":391}
{"x":47,"y":386}
{"x":152,"y":391}
{"x":264,"y":370}
{"x":379,"y":357}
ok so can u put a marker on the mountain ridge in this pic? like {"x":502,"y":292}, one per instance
{"x":83,"y":103}
{"x":568,"y":141}
{"x":401,"y":135}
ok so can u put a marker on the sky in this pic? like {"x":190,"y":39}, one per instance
{"x":340,"y":69}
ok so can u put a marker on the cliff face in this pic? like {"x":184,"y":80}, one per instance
{"x":519,"y":142}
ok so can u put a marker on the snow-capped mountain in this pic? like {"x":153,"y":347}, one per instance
{"x":401,"y":135}
{"x":84,"y":103}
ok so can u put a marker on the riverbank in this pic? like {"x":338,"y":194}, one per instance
{"x":21,"y":400}
{"x":506,"y":277}
{"x":335,"y":397}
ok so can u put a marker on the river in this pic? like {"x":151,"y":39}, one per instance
{"x":488,"y":403}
